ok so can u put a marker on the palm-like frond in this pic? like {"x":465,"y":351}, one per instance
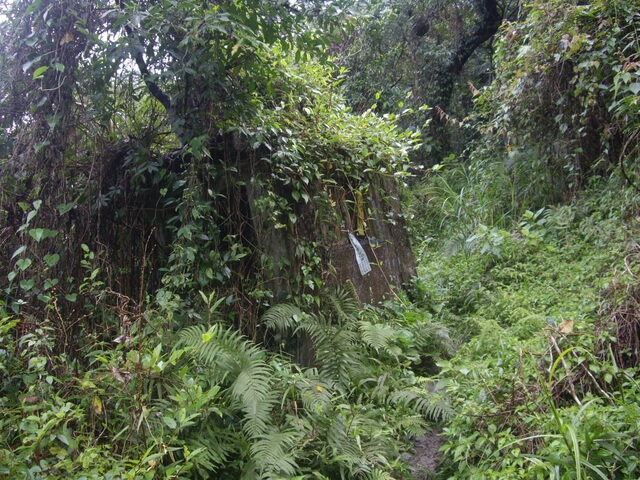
{"x":283,"y":317}
{"x":336,"y":350}
{"x":433,"y":337}
{"x":378,"y":474}
{"x":380,"y":337}
{"x":267,"y":451}
{"x":419,"y":397}
{"x":343,"y":305}
{"x":240,"y":365}
{"x":218,"y":446}
{"x":360,"y":360}
{"x":315,"y":392}
{"x":414,"y":425}
{"x":273,"y":452}
{"x":343,"y":448}
{"x":224,"y":351}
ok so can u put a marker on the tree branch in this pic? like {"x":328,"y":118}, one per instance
{"x":153,"y":87}
{"x":485,"y":28}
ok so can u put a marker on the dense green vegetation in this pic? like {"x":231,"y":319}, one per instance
{"x":174,"y":174}
{"x":544,"y":380}
{"x":534,"y":264}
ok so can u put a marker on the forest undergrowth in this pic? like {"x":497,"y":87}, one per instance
{"x":545,"y":315}
{"x":530,"y":254}
{"x":162,"y":268}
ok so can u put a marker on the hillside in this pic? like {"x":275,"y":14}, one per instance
{"x":546,"y":317}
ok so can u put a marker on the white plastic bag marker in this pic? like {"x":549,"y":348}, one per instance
{"x":361,"y":255}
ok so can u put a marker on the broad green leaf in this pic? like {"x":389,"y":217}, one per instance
{"x":65,"y":207}
{"x":169,"y":422}
{"x":31,"y":214}
{"x":39,"y":234}
{"x":59,"y":452}
{"x":52,"y":259}
{"x":24,"y":263}
{"x":634,"y":88}
{"x":40,"y":145}
{"x":26,"y":66}
{"x":33,"y":7}
{"x":204,"y":296}
{"x":53,"y":121}
{"x":39,"y":72}
{"x":27,"y":284}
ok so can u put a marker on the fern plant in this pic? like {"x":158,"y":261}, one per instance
{"x":250,"y":398}
{"x":223,"y":406}
{"x":424,"y":398}
{"x":332,"y":329}
{"x":363,"y":394}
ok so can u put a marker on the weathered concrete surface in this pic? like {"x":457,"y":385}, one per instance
{"x":386,"y":243}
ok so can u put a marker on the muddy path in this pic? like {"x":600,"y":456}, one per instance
{"x":424,"y":456}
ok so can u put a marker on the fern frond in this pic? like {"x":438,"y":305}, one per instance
{"x":337,"y":352}
{"x":362,"y":457}
{"x":433,"y":337}
{"x":343,"y":305}
{"x":252,"y":384}
{"x":273,"y":452}
{"x":432,"y":405}
{"x":356,"y":439}
{"x":343,"y":447}
{"x":380,"y":386}
{"x":258,"y":416}
{"x":193,"y":336}
{"x":220,"y":349}
{"x":283,"y":317}
{"x":315,"y":392}
{"x":219,"y":446}
{"x":414,"y":425}
{"x":378,"y":336}
{"x":379,"y":474}
{"x":240,"y":365}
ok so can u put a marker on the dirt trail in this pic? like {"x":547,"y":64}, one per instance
{"x":424,"y":455}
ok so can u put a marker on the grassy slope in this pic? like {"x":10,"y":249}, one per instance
{"x":538,"y":383}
